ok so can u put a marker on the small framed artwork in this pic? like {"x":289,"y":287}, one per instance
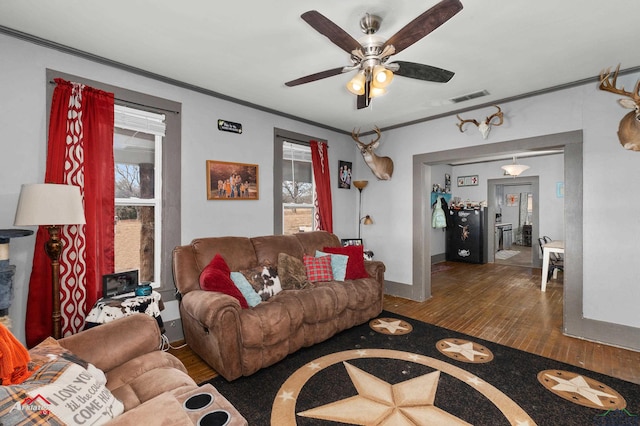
{"x":468,"y":180}
{"x":351,"y":241}
{"x":512,"y":200}
{"x":344,"y":174}
{"x":232,"y":181}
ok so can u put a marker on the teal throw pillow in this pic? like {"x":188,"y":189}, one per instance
{"x":245,"y":288}
{"x":338,"y":264}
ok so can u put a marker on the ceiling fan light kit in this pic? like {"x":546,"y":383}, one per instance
{"x":370,"y":54}
{"x":357,"y":83}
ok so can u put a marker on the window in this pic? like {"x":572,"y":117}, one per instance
{"x":168,"y":158}
{"x":297,"y":188}
{"x":137,"y":148}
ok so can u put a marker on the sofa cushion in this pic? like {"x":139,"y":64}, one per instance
{"x":269,"y":247}
{"x":292,"y":272}
{"x":216,"y":276}
{"x":252,"y":297}
{"x":264,"y":280}
{"x":318,"y":268}
{"x":316,"y":240}
{"x":355,"y":264}
{"x":338,"y":264}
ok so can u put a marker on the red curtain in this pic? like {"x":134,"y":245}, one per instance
{"x":80,"y":152}
{"x":322,"y":176}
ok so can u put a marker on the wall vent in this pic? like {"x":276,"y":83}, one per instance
{"x":469,"y":96}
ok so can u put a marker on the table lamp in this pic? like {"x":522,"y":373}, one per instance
{"x":51,"y":205}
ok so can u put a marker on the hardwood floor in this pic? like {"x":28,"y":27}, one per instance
{"x":499,"y":303}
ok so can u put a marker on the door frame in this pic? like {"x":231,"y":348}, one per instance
{"x":534,"y":183}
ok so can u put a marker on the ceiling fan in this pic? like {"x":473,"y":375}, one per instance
{"x":370,"y":54}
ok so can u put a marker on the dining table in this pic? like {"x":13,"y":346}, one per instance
{"x":555,"y":246}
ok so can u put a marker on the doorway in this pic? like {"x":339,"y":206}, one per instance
{"x":514,"y":201}
{"x":571,"y":143}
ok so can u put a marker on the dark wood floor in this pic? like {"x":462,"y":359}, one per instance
{"x":499,"y":303}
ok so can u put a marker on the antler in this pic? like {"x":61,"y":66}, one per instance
{"x":498,"y":114}
{"x":610,"y":85}
{"x":356,"y":135}
{"x":462,"y":122}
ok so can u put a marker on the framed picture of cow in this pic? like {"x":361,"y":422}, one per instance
{"x":232,"y":181}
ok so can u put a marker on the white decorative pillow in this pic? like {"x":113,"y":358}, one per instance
{"x":60,"y":392}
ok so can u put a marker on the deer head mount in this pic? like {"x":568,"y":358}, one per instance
{"x":629,"y":128}
{"x":485,"y":125}
{"x":382,"y":167}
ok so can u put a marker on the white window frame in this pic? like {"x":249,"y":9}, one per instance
{"x":154,"y":124}
{"x":313,"y":184}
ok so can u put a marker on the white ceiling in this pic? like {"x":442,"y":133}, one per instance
{"x":247,"y":50}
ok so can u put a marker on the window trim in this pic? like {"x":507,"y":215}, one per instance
{"x":171,"y":164}
{"x":279,"y":137}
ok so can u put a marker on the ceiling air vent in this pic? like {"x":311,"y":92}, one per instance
{"x":469,"y":96}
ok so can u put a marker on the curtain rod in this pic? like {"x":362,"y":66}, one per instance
{"x":126,"y":102}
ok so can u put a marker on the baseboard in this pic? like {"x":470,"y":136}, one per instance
{"x":437,"y":258}
{"x":405,"y":291}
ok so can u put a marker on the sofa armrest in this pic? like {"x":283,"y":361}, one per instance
{"x":376,"y":269}
{"x":164,"y":409}
{"x":126,"y":338}
{"x":207,"y":306}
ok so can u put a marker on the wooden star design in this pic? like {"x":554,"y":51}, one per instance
{"x":379,"y":403}
{"x":286,"y":396}
{"x":580,"y":386}
{"x":464,"y":350}
{"x":391,"y":326}
{"x":582,"y":390}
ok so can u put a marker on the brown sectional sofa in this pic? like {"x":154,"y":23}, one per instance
{"x":238,"y":342}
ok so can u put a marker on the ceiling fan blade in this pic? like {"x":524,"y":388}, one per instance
{"x":317,"y":76}
{"x":423,"y":72}
{"x":327,"y":28}
{"x":424,"y":24}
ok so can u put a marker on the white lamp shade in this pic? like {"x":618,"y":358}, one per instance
{"x":49,"y":204}
{"x":514,"y":169}
{"x":357,"y":83}
{"x":381,"y":77}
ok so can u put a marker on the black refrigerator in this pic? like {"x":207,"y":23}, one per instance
{"x":467,"y":236}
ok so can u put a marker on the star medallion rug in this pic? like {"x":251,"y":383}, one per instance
{"x":399,"y":371}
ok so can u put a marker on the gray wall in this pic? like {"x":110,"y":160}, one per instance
{"x":610,"y":293}
{"x":610,"y":290}
{"x":23,"y":145}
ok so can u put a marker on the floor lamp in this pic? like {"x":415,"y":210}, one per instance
{"x":51,"y":205}
{"x":361,"y":184}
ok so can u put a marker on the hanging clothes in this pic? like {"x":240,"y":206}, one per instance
{"x":438,"y":218}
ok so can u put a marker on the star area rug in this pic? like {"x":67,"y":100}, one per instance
{"x":399,"y":371}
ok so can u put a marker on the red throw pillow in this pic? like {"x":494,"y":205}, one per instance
{"x":318,"y":268}
{"x":355,"y":264}
{"x":216,"y":276}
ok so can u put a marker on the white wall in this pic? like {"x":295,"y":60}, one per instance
{"x":23,"y":147}
{"x":549,"y":168}
{"x":611,"y":225}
